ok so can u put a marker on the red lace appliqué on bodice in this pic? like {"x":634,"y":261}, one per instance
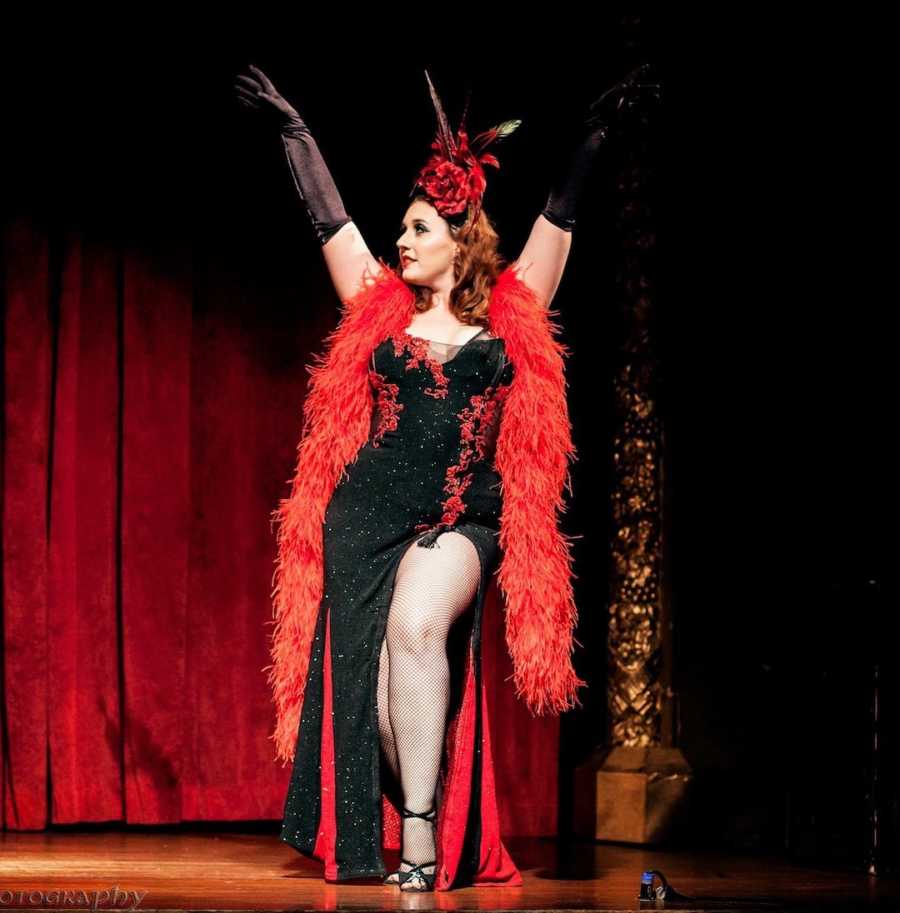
{"x":478,"y":425}
{"x":421,"y":354}
{"x":386,"y":404}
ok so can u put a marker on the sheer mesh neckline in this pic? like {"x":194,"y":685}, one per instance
{"x":445,"y":352}
{"x":450,"y":345}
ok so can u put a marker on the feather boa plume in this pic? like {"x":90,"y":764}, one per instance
{"x":534,"y":447}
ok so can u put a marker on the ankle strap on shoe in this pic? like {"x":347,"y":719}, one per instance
{"x":406,"y":813}
{"x":416,"y":865}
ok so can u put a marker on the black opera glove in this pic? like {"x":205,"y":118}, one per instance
{"x":313,"y":180}
{"x":612,"y":104}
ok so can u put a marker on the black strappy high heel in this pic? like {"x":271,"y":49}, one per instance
{"x":416,"y":871}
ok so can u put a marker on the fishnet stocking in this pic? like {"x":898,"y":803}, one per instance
{"x":433,"y":587}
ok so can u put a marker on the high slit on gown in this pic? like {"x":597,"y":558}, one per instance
{"x":428,"y":466}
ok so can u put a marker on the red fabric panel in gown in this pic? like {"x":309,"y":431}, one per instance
{"x":495,"y":865}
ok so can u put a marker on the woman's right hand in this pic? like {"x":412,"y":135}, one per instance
{"x":257,"y":92}
{"x":346,"y":254}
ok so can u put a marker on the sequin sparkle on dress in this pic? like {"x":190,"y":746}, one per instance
{"x":426,"y":469}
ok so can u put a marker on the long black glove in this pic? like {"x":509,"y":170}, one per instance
{"x":566,"y":189}
{"x":311,"y":176}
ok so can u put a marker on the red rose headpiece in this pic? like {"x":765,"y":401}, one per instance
{"x":453,"y":178}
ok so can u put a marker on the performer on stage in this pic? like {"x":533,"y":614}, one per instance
{"x":434,"y":451}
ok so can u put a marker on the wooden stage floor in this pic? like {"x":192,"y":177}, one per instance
{"x":227,"y":870}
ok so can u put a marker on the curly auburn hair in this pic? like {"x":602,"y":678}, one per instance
{"x":475,"y":271}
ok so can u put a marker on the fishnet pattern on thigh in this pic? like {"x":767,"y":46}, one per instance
{"x":433,"y":587}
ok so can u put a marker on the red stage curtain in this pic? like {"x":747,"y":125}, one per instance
{"x":152,"y":406}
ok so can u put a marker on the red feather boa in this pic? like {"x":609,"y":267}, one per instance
{"x":534,"y":446}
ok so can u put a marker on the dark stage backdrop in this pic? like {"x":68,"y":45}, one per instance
{"x":163,"y":291}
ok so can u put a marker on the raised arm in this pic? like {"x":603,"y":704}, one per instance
{"x":346,"y":253}
{"x":348,"y":259}
{"x":543,"y":259}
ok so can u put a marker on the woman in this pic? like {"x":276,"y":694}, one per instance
{"x":436,"y":420}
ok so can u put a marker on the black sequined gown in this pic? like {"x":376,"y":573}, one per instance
{"x":426,"y":467}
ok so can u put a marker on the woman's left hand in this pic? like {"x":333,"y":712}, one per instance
{"x":613,"y":104}
{"x":620,"y":99}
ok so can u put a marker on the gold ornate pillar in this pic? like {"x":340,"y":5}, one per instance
{"x":633,"y":787}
